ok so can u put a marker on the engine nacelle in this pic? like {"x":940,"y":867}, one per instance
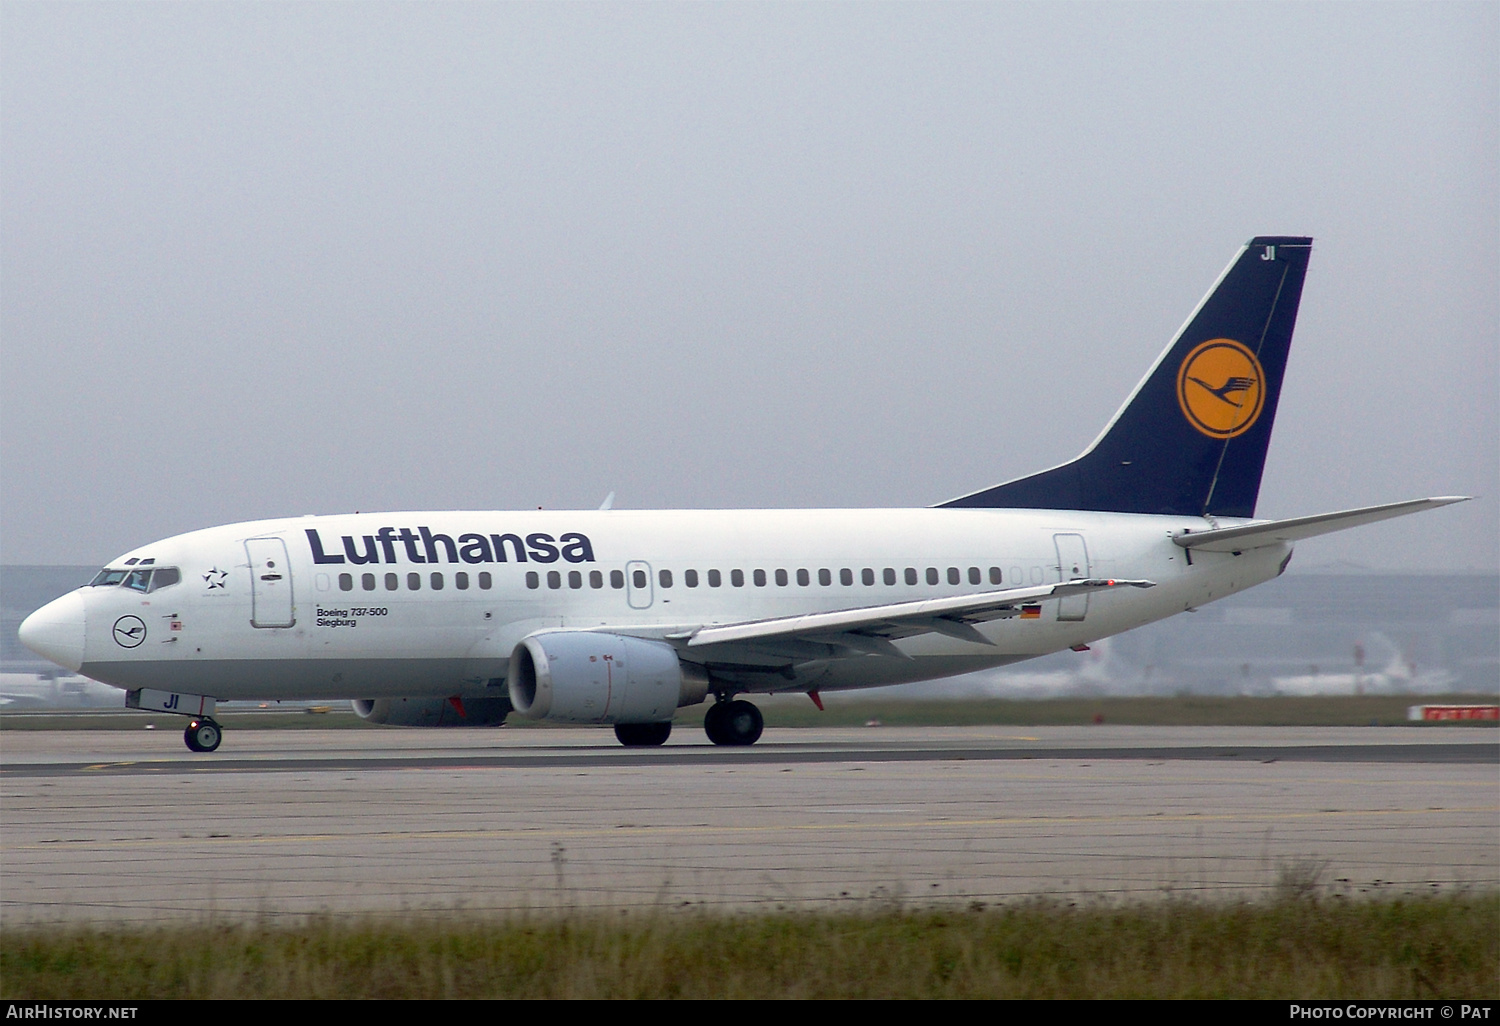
{"x":433,"y":712}
{"x":593,"y":677}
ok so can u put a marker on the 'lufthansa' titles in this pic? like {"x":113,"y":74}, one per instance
{"x":422,"y":546}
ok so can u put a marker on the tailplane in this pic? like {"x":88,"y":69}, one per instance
{"x":1191,"y":440}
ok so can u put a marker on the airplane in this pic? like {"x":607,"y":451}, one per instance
{"x":622,"y":617}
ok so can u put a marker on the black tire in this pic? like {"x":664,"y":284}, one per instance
{"x":203,"y":735}
{"x":734,"y":723}
{"x":643,"y":735}
{"x":713,"y":723}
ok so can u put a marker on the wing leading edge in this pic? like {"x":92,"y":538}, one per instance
{"x":872,"y":628}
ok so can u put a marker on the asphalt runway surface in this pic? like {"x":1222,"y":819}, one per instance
{"x":128,"y":826}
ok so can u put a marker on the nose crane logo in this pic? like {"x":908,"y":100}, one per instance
{"x":1221,"y":388}
{"x":129,"y":631}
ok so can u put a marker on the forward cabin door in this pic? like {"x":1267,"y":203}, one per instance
{"x":1072,"y":565}
{"x":270,"y":583}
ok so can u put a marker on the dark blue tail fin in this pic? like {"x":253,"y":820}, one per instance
{"x":1192,"y":438}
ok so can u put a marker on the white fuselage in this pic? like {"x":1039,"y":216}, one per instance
{"x":260,"y":613}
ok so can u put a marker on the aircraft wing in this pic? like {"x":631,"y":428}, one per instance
{"x":1270,"y":532}
{"x":871,"y":628}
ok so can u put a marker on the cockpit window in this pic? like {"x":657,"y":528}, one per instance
{"x":165,"y":577}
{"x":107,"y":577}
{"x":138,"y":580}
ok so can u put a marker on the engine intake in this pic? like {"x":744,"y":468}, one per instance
{"x":592,"y":677}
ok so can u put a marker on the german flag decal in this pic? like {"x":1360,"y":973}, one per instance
{"x":1031,"y":612}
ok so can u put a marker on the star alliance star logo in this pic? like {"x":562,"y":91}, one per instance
{"x":215,"y":578}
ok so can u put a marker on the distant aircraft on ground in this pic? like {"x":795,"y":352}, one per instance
{"x":622,"y":617}
{"x":1396,"y":676}
{"x":53,"y":690}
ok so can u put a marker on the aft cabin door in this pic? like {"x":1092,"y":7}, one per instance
{"x":1072,"y":565}
{"x":270,"y":583}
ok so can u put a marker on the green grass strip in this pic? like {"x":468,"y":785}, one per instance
{"x":1445,"y":947}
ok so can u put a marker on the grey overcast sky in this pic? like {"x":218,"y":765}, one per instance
{"x":267,"y":259}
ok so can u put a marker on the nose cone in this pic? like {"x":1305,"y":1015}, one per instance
{"x":56,"y":631}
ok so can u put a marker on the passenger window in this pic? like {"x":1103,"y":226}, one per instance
{"x":367,"y":582}
{"x":414,"y":581}
{"x":596,"y":580}
{"x":461,"y":581}
{"x":760,"y":578}
{"x":932,"y":575}
{"x":554,"y":579}
{"x":995,"y":575}
{"x":436,"y":580}
{"x":665,"y":577}
{"x":639,"y":578}
{"x":485,"y":580}
{"x":392,"y":582}
{"x":974,"y":576}
{"x":867,"y":576}
{"x":825,"y":578}
{"x":781,"y":580}
{"x":346,"y":582}
{"x":617,"y":579}
{"x":803,"y":579}
{"x":714,"y":579}
{"x":575,"y":579}
{"x":139,"y":580}
{"x":532,"y":580}
{"x":846,"y":577}
{"x":690,"y":578}
{"x":911,"y":575}
{"x":737,"y":578}
{"x":953,"y":575}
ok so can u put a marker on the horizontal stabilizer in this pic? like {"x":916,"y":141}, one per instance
{"x":901,"y":619}
{"x":1252,"y":536}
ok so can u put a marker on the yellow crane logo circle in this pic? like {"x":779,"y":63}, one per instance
{"x":1221,"y":388}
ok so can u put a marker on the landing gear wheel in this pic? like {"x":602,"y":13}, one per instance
{"x":643,"y":735}
{"x":733,"y":723}
{"x":203,"y":735}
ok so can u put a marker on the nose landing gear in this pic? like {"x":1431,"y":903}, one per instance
{"x":203,"y":735}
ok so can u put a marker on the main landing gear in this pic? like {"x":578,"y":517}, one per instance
{"x":203,"y":735}
{"x":643,"y":735}
{"x":733,"y":723}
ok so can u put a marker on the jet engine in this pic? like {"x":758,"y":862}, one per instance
{"x":593,"y":677}
{"x":433,"y":712}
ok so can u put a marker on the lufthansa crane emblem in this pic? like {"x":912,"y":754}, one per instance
{"x":129,"y":631}
{"x":1221,"y":388}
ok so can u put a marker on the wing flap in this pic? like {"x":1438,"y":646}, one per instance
{"x":903,"y":619}
{"x":1272,"y":532}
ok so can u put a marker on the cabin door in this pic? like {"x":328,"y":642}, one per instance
{"x":1072,"y":565}
{"x":270,"y":583}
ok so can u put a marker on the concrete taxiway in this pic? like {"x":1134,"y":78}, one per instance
{"x":126,"y":826}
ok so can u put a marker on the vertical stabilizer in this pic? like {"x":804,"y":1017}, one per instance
{"x":1192,"y":438}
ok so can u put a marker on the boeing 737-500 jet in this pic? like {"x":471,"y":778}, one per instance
{"x":623,"y":617}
